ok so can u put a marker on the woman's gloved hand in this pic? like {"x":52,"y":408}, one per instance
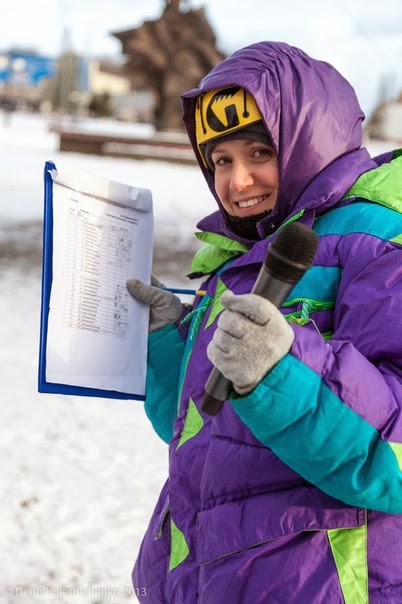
{"x":251,"y":337}
{"x":165,"y":307}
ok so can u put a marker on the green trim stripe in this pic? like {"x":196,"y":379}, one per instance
{"x":217,"y":306}
{"x":192,"y":425}
{"x":178,"y":547}
{"x":397,"y":240}
{"x":397,"y":451}
{"x":349,"y":548}
{"x":217,"y":250}
{"x":382,"y":185}
{"x":209,"y":258}
{"x":221,"y":241}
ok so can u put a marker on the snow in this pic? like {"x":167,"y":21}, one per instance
{"x":79,"y":476}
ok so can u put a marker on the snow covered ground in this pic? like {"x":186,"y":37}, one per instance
{"x":79,"y":476}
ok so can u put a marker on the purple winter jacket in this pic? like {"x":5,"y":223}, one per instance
{"x":292,"y":494}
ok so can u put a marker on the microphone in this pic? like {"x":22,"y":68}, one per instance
{"x":289,"y":256}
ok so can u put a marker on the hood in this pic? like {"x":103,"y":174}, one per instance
{"x":312,"y":116}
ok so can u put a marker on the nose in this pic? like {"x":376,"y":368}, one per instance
{"x":241,"y":176}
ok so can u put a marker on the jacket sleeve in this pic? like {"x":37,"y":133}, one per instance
{"x":165,"y":352}
{"x":331,"y":410}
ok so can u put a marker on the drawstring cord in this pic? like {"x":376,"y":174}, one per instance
{"x":245,"y":112}
{"x":199,"y":101}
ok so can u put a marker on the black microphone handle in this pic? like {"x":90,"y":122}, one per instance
{"x":218,"y":388}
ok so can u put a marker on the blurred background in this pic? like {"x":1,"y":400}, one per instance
{"x":131,"y":61}
{"x":96,"y":86}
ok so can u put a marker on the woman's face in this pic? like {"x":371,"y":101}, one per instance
{"x":246,"y":176}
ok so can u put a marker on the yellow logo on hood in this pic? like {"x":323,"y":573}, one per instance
{"x":222,"y":111}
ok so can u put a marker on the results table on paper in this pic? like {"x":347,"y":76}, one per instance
{"x":96,"y":300}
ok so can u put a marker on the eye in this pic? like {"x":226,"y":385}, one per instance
{"x":220,"y":160}
{"x":263,"y":152}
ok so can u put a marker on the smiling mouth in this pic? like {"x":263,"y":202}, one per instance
{"x":248,"y":203}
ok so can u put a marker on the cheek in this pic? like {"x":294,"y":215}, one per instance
{"x":269,"y":175}
{"x":274,"y":174}
{"x":221,"y":188}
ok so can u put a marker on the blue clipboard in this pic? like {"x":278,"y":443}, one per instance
{"x":47,"y":277}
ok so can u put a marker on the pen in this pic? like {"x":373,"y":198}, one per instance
{"x":190,"y":292}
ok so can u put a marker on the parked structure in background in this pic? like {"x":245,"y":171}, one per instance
{"x":167,"y":56}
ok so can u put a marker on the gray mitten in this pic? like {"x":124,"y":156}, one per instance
{"x":251,"y":337}
{"x":165,"y":307}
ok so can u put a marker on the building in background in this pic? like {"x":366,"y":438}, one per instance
{"x":386,"y":121}
{"x":70,"y":85}
{"x":24,"y":78}
{"x":108,"y":83}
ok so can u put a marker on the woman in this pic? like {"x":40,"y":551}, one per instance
{"x":293,"y":492}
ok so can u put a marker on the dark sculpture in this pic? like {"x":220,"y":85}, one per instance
{"x":169,"y":56}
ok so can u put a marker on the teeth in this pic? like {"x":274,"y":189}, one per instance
{"x":251,"y":202}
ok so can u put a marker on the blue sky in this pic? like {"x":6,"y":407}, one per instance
{"x":361,"y":38}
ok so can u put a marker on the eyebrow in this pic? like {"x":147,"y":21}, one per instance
{"x":248,"y":142}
